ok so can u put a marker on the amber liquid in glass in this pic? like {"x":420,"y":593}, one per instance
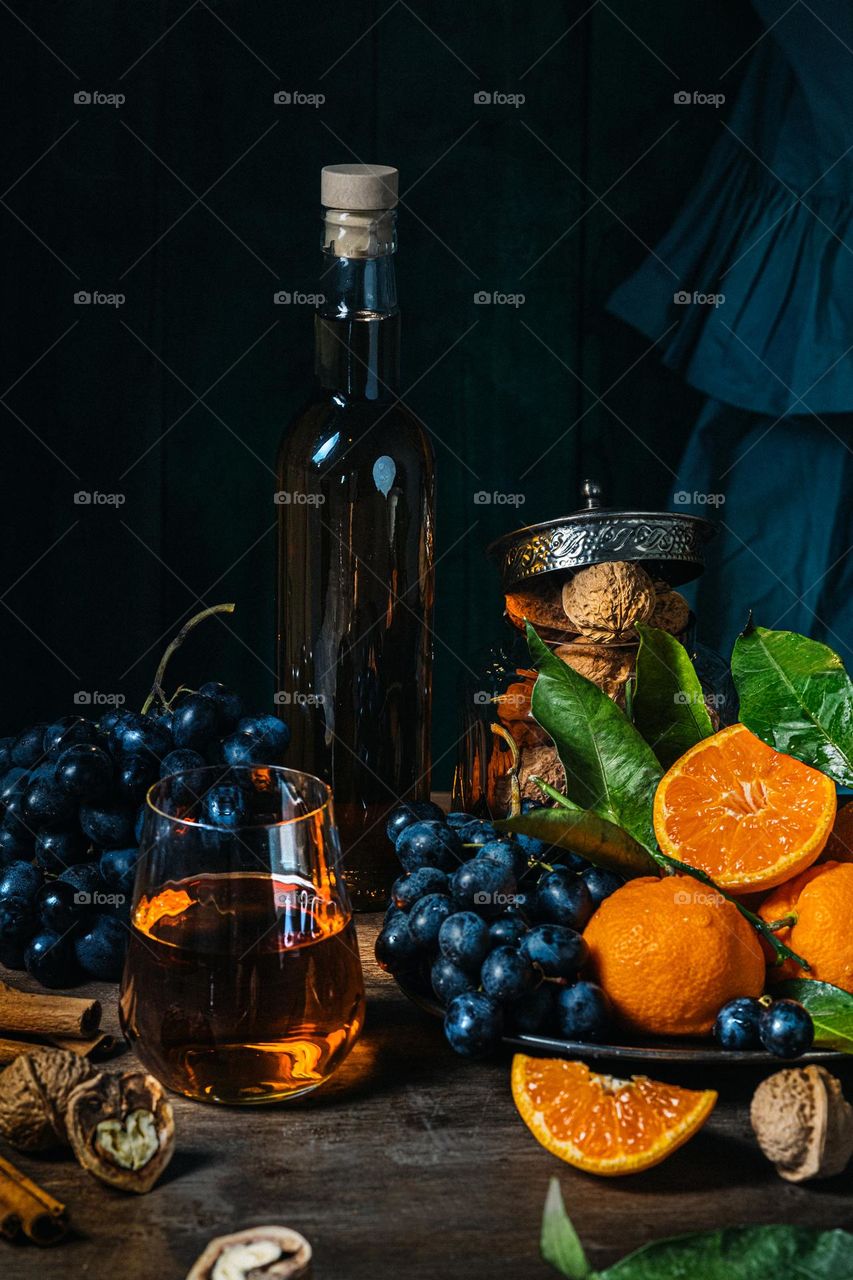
{"x":241,"y":987}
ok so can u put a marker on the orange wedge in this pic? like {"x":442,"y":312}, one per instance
{"x":601,"y":1124}
{"x":746,"y":814}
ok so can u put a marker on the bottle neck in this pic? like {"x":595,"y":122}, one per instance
{"x":357,"y":325}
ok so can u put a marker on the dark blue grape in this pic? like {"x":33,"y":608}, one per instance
{"x":57,"y":850}
{"x":228,"y":704}
{"x":395,"y":949}
{"x":448,"y":980}
{"x":20,"y":882}
{"x":85,"y":772}
{"x":786,"y":1029}
{"x":428,"y":844}
{"x":507,"y":853}
{"x":46,"y":804}
{"x":118,"y":868}
{"x":226,"y":805}
{"x":181,"y":761}
{"x":426,"y":918}
{"x":601,"y":883}
{"x":101,"y":948}
{"x":473,"y":1024}
{"x":18,"y":922}
{"x":134,"y":775}
{"x":57,"y":908}
{"x":583,"y":1012}
{"x":533,"y":1014}
{"x":485,"y":886}
{"x":507,"y":931}
{"x":458,"y":819}
{"x":88,"y":883}
{"x":14,"y":783}
{"x":477,"y":832}
{"x":6,"y":745}
{"x":506,"y":974}
{"x":195,"y":722}
{"x":67,"y":731}
{"x":28,"y":748}
{"x":49,"y":959}
{"x":15,"y":818}
{"x":737,"y":1023}
{"x":270,"y":734}
{"x":136,"y":734}
{"x":15,"y":845}
{"x":109,"y":826}
{"x":416,"y":884}
{"x":563,"y":898}
{"x":559,"y":952}
{"x":464,"y":939}
{"x":107,"y":721}
{"x":411,"y":811}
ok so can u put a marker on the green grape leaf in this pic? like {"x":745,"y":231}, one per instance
{"x":796,"y":696}
{"x":668,"y":705}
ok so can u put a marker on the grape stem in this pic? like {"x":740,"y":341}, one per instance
{"x":157,"y":693}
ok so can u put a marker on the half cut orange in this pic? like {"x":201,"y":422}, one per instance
{"x":746,"y":814}
{"x":602,"y":1124}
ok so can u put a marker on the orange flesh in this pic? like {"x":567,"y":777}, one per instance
{"x":600,"y":1123}
{"x":746,"y":814}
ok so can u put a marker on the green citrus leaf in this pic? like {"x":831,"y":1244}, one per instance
{"x":559,"y":1241}
{"x":796,"y":695}
{"x":668,"y":705}
{"x":831,"y":1011}
{"x":741,"y":1253}
{"x":610,"y":769}
{"x":581,"y":831}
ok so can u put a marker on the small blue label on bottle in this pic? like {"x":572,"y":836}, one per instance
{"x":384,"y":471}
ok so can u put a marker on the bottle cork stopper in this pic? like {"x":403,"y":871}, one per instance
{"x":358,"y":186}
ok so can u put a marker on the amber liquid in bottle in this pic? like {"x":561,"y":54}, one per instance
{"x":355,"y":578}
{"x":241,"y":987}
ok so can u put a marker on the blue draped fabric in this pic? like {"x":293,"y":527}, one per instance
{"x":763,"y":249}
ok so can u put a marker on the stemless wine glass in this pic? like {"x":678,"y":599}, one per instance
{"x":242,"y":982}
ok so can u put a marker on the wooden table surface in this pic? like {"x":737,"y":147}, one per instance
{"x":410,"y":1163}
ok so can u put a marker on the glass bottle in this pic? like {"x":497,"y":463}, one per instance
{"x":355,"y":552}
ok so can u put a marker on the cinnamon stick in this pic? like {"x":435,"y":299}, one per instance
{"x":97,"y":1046}
{"x":27,"y":1207}
{"x":48,"y":1015}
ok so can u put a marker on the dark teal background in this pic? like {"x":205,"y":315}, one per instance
{"x":198,"y":200}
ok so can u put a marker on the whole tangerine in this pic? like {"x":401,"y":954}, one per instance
{"x":821,"y":902}
{"x":670,"y":953}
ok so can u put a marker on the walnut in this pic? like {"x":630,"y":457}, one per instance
{"x":608,"y":666}
{"x":122,"y":1129}
{"x":605,"y":601}
{"x":671,"y":612}
{"x":276,"y":1252}
{"x":543,"y":606}
{"x":34,"y":1093}
{"x":803,"y":1123}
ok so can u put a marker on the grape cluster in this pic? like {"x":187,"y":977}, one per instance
{"x":486,"y":923}
{"x":72,"y":802}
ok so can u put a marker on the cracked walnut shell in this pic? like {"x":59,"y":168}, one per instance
{"x":605,"y":601}
{"x":803,"y":1123}
{"x":276,"y":1252}
{"x":122,"y":1129}
{"x":34,"y":1093}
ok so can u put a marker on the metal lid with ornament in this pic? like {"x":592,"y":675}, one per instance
{"x":669,"y":545}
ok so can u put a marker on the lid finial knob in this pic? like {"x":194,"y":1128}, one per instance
{"x":591,"y":494}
